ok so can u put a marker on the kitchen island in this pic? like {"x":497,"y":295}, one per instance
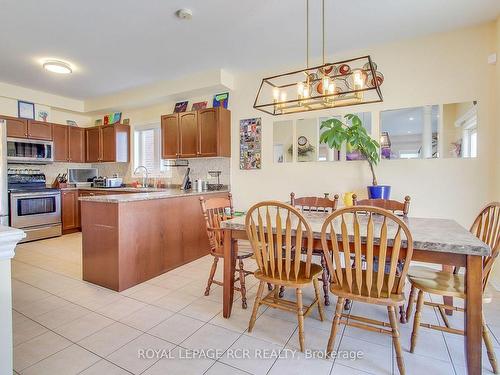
{"x":131,"y":238}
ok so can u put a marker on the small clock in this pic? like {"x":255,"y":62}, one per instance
{"x":302,"y":141}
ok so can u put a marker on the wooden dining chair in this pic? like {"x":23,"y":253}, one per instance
{"x":216,"y":210}
{"x":486,"y":227}
{"x":316,"y":204}
{"x":278,"y":264}
{"x":396,"y":207}
{"x":376,"y":234}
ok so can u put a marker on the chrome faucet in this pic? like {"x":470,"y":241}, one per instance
{"x":144,"y":176}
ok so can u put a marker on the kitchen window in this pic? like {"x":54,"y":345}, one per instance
{"x":147,"y":148}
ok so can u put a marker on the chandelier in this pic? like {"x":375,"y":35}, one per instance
{"x":330,"y":85}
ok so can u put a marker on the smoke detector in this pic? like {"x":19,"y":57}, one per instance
{"x":184,"y":14}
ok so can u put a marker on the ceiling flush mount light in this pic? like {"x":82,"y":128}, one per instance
{"x":184,"y":14}
{"x":330,"y":85}
{"x":56,"y":66}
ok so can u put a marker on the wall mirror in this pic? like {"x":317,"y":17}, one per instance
{"x":283,"y":141}
{"x":460,"y":130}
{"x":325,"y":153}
{"x":410,"y":133}
{"x":307,"y":140}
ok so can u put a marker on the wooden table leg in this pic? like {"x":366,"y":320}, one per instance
{"x":228,"y":279}
{"x":448,"y":300}
{"x":473,"y":313}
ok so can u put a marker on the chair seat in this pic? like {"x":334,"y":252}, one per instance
{"x":438,"y":282}
{"x":343,"y":291}
{"x":300,"y":280}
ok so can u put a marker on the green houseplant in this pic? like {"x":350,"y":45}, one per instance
{"x":356,"y":138}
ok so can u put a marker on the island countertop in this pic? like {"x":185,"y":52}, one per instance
{"x":148,"y":195}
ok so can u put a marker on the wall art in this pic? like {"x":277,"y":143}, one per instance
{"x":251,"y":143}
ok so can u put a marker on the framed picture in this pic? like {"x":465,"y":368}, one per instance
{"x":98,"y":122}
{"x":71,"y":123}
{"x":112,"y":118}
{"x":25,"y":110}
{"x":250,"y":143}
{"x":199,"y":105}
{"x":221,"y":100}
{"x":126,"y":121}
{"x":42,"y":113}
{"x":181,"y":107}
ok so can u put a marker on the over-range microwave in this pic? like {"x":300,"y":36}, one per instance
{"x":29,"y":151}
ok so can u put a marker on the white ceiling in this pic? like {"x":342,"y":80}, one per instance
{"x":121,"y":44}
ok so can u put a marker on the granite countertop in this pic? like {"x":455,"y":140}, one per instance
{"x":121,"y":189}
{"x":148,"y":195}
{"x":443,"y":235}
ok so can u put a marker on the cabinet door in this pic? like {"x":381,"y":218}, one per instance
{"x":16,"y":127}
{"x":170,"y":136}
{"x":188,"y":129}
{"x":93,"y":144}
{"x":69,"y":204}
{"x":39,"y":130}
{"x":76,"y":144}
{"x":208,"y":132}
{"x":108,"y":143}
{"x":60,"y":135}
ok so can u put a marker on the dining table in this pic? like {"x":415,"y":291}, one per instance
{"x":436,"y":241}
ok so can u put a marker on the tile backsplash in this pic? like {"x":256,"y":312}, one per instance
{"x":173,"y":175}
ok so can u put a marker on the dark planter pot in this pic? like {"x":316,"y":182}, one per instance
{"x":379,"y":192}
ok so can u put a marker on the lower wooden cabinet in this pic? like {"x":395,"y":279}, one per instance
{"x":70,"y":211}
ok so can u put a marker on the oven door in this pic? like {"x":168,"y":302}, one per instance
{"x":35,"y":208}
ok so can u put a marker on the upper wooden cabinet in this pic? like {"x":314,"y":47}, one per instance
{"x":109,"y":143}
{"x":202,"y":133}
{"x":69,"y":143}
{"x":22,"y":128}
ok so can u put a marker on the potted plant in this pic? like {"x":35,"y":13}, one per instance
{"x":356,"y":139}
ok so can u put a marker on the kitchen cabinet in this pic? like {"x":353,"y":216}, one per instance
{"x":22,"y":128}
{"x":70,"y":208}
{"x":69,"y":143}
{"x":202,"y":133}
{"x":109,"y":143}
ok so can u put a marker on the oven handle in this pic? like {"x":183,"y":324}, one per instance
{"x":35,"y":195}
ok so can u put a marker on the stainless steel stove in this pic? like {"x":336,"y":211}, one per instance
{"x":33,"y":206}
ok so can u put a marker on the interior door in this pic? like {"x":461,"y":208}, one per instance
{"x":39,"y":130}
{"x":60,"y":135}
{"x":208,"y":131}
{"x":188,"y":129}
{"x":170,"y":136}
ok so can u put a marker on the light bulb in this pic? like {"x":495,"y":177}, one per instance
{"x":276,"y":93}
{"x":326,"y":84}
{"x":306,"y":92}
{"x":357,"y":78}
{"x":283,"y":96}
{"x":331,"y":88}
{"x":300,"y":88}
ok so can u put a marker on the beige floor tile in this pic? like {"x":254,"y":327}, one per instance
{"x":175,"y":301}
{"x":344,"y":370}
{"x":146,"y":317}
{"x":210,"y":337}
{"x":150,"y":293}
{"x":375,"y":358}
{"x":176,"y":329}
{"x":274,"y":330}
{"x":430,"y":343}
{"x":109,"y":339}
{"x":457,"y":353}
{"x":222,"y":369}
{"x":298,"y":364}
{"x":170,"y":281}
{"x":34,"y":350}
{"x":179,"y":365}
{"x":41,"y":306}
{"x":61,"y":316}
{"x":238,"y":321}
{"x":25,"y":329}
{"x":84,"y":326}
{"x":68,"y":361}
{"x":120,"y":308}
{"x":202,"y":309}
{"x":254,"y":361}
{"x":315,"y":339}
{"x":104,"y":367}
{"x":132,"y":356}
{"x":417,"y":365}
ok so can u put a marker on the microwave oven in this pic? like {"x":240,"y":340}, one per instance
{"x":29,"y":151}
